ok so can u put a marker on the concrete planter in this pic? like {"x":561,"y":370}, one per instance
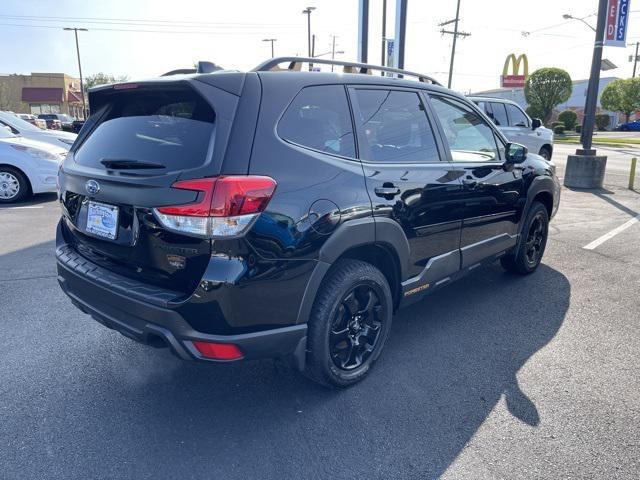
{"x":585,"y":171}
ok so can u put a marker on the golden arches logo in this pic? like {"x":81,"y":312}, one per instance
{"x":515,"y":79}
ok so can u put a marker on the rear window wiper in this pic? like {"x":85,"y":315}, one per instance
{"x":123,"y":164}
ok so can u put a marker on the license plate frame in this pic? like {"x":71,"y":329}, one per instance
{"x":102,"y":220}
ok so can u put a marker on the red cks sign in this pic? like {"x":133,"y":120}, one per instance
{"x":615,"y":34}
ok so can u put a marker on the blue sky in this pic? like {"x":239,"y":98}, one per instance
{"x":230,"y":33}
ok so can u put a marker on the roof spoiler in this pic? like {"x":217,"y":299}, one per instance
{"x":201,"y":67}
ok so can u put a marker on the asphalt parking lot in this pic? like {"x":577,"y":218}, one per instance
{"x":494,"y":377}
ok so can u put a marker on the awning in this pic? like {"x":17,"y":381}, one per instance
{"x":74,"y":97}
{"x":44,"y":95}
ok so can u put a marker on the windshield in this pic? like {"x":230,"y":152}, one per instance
{"x":18,"y":123}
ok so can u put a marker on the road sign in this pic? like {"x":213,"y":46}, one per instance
{"x":615,"y":34}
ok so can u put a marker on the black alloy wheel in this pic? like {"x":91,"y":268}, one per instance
{"x":356,"y":327}
{"x":533,"y":246}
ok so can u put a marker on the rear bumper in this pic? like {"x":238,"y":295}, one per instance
{"x":145,"y":316}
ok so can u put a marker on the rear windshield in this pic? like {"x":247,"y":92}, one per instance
{"x":170,"y":127}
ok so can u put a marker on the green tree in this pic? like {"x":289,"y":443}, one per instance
{"x":534,"y":111}
{"x":546,"y":88}
{"x":622,"y":95}
{"x":569,"y":118}
{"x":102,"y":79}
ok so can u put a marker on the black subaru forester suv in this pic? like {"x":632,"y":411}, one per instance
{"x":286,"y":214}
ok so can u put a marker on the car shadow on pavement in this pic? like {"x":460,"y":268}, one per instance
{"x":87,"y":402}
{"x":36,"y":199}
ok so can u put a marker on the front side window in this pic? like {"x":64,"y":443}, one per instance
{"x":319,"y":118}
{"x":499,"y":114}
{"x":395,"y":127}
{"x":469,"y":137}
{"x":517,"y":118}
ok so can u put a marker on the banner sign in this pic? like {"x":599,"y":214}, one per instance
{"x":515,"y":80}
{"x":615,"y":34}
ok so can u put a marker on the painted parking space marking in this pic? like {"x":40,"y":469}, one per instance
{"x":24,"y":207}
{"x":607,"y":236}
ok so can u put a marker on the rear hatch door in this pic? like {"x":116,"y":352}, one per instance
{"x":140,"y":139}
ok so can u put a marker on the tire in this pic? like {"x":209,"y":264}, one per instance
{"x":527,"y":257}
{"x":344,"y":337}
{"x":14,"y":186}
{"x":545,"y":153}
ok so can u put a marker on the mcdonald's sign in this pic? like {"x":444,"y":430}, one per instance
{"x":515,"y":80}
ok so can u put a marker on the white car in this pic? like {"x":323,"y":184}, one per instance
{"x":516,"y":125}
{"x":23,"y":128}
{"x":27,"y":166}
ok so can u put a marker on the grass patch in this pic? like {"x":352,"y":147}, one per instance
{"x":614,"y":142}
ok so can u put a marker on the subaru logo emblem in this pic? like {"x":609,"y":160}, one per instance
{"x":92,"y":187}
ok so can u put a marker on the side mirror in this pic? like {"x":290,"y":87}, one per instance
{"x":514,"y":153}
{"x":536,"y":123}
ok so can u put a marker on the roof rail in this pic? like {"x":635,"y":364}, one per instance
{"x":295,"y":64}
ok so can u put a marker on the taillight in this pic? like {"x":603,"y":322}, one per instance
{"x":218,"y":351}
{"x":226,"y":206}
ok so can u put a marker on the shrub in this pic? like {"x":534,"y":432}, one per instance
{"x":559,"y":129}
{"x":557,"y":124}
{"x":578,"y":128}
{"x":569,"y":118}
{"x":602,"y":121}
{"x":534,"y":111}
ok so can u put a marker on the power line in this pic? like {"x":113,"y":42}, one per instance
{"x":192,"y":32}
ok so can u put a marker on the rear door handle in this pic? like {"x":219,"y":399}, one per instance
{"x":387,"y":191}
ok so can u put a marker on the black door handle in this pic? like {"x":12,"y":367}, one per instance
{"x":387,"y":192}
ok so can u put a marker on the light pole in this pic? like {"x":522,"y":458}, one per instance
{"x":568,"y":16}
{"x":270,"y":40}
{"x":585,"y":169}
{"x":75,"y":31}
{"x":307,"y":11}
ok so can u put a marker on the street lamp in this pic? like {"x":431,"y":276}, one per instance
{"x":75,"y":31}
{"x":307,"y":11}
{"x":270,"y":40}
{"x":568,"y":16}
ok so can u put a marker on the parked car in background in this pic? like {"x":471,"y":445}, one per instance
{"x":32,"y":119}
{"x":516,"y":125}
{"x":23,"y":128}
{"x":77,"y":125}
{"x":53,"y":123}
{"x":629,"y":126}
{"x":26,"y":166}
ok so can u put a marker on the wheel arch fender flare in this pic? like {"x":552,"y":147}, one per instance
{"x":362,"y":231}
{"x":539,"y":185}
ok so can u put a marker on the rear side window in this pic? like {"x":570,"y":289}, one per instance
{"x":319,"y":118}
{"x":395,"y":127}
{"x":170,"y":127}
{"x":517,"y":118}
{"x":499,"y":114}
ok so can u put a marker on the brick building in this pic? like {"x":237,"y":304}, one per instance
{"x":41,"y":93}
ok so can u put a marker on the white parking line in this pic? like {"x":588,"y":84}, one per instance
{"x":611,"y":234}
{"x":18,"y":208}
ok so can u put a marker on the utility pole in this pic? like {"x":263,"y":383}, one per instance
{"x":270,"y":40}
{"x":307,"y":11}
{"x":76,"y":30}
{"x":455,"y":34}
{"x":635,"y":60}
{"x":333,"y":49}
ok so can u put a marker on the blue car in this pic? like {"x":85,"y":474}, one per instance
{"x":630,"y":126}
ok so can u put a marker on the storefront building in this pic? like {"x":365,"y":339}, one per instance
{"x":41,"y":93}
